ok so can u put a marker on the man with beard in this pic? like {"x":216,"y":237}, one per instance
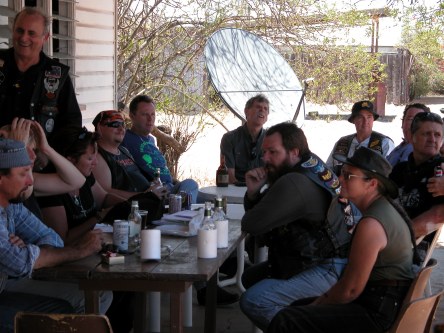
{"x":240,"y":148}
{"x":363,"y":115}
{"x":27,"y":244}
{"x":307,"y":251}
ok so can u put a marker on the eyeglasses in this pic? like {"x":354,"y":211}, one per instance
{"x":115,"y":124}
{"x":347,"y":175}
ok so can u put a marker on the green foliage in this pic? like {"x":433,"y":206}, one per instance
{"x":161,"y":43}
{"x":160,"y":52}
{"x":422,"y":36}
{"x":353,"y":79}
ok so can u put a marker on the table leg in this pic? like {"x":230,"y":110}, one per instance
{"x":140,"y":313}
{"x":260,"y":253}
{"x":210,"y":305}
{"x":92,"y":301}
{"x":176,"y":314}
{"x":154,"y":315}
{"x":237,"y":279}
{"x":240,"y":265}
{"x":188,"y":308}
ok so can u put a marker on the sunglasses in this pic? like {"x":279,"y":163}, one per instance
{"x":115,"y":124}
{"x":347,"y":175}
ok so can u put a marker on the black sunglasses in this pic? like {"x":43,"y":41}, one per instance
{"x":115,"y":124}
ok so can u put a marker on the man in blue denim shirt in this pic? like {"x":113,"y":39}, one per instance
{"x":27,"y":244}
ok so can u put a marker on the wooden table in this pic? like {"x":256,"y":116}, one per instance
{"x":173,"y":274}
{"x":234,"y":194}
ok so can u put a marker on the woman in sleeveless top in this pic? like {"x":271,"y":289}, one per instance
{"x":368,"y":296}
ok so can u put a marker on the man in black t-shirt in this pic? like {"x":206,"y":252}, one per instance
{"x":116,"y":169}
{"x":414,"y":176}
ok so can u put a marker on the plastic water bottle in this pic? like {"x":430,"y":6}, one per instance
{"x":135,"y":222}
{"x":221,"y":222}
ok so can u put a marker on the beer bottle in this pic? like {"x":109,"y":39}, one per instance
{"x":157,"y":181}
{"x":222,"y":173}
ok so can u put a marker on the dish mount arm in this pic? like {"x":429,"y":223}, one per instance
{"x":304,"y":89}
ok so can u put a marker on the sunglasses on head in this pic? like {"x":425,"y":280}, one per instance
{"x":430,"y":116}
{"x":115,"y":124}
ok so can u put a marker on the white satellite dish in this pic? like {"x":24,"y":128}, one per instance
{"x":241,"y":65}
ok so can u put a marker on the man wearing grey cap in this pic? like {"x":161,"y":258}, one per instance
{"x":27,"y":244}
{"x":363,"y":115}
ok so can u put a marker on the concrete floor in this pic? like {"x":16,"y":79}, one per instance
{"x":229,"y":318}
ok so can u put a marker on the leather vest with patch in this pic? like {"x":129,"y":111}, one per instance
{"x":302,"y":244}
{"x":43,"y":105}
{"x":344,"y":143}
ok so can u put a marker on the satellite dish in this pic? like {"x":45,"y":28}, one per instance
{"x":241,"y":65}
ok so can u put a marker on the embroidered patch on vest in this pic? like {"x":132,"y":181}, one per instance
{"x":49,"y":125}
{"x":324,"y":174}
{"x":376,"y":145}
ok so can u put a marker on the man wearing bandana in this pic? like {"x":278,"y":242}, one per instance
{"x":32,"y":85}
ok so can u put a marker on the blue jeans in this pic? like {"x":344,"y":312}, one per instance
{"x":11,"y":303}
{"x":266,"y":298}
{"x":186,"y":185}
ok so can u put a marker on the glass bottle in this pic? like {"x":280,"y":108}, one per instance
{"x":157,"y":181}
{"x":207,"y":235}
{"x":222,"y":178}
{"x":221,"y":222}
{"x":219,"y":213}
{"x":135,"y":222}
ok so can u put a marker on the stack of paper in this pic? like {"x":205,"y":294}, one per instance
{"x":182,"y":217}
{"x":186,"y":219}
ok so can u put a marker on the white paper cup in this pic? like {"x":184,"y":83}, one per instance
{"x":150,"y":244}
